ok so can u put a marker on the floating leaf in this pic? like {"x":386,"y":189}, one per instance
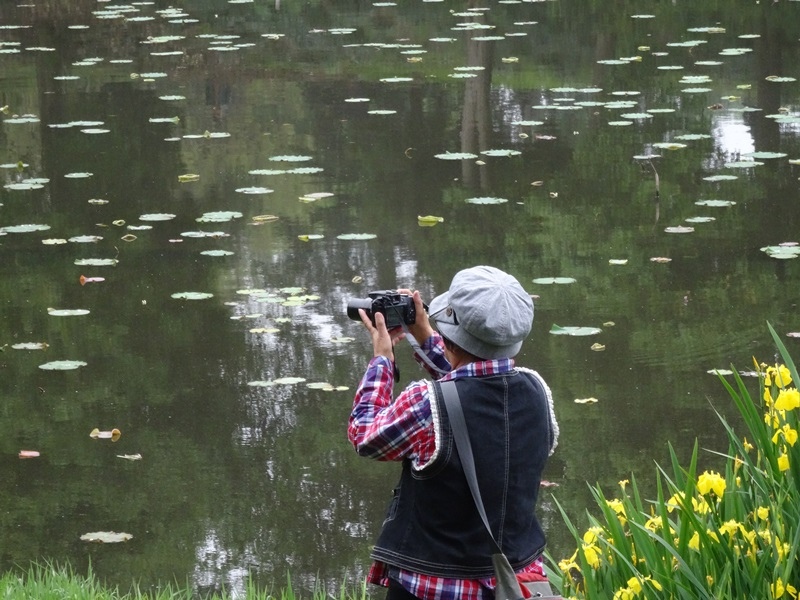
{"x":106,"y":537}
{"x":29,"y":454}
{"x":192,"y":295}
{"x":552,"y":280}
{"x":486,"y":200}
{"x":63,"y":365}
{"x":720,"y":372}
{"x":112,"y":435}
{"x":85,"y":239}
{"x":596,"y":347}
{"x":356,"y":236}
{"x":28,"y":228}
{"x":67,"y":312}
{"x":585,"y":400}
{"x":576,"y":331}
{"x":216,"y":253}
{"x":157,"y":217}
{"x":692,"y":136}
{"x":52,"y":241}
{"x":720,"y":178}
{"x":204,"y":234}
{"x":258,"y":219}
{"x":456,"y":156}
{"x":765,"y":155}
{"x":23,"y":185}
{"x":782,"y":252}
{"x":130,"y":456}
{"x":289,"y":380}
{"x":669,"y":145}
{"x":96,"y":262}
{"x":220,"y":216}
{"x":342,"y":340}
{"x":429,"y":219}
{"x":268,"y":172}
{"x":187,"y":177}
{"x":501,"y":152}
{"x":80,"y":175}
{"x":700,"y":219}
{"x":779,"y":79}
{"x":290,"y":158}
{"x":715,"y":203}
{"x":743,"y":164}
{"x":679,"y":229}
{"x":660,"y":259}
{"x":30,"y":346}
{"x":84,"y":280}
{"x":254,"y":190}
{"x":618,"y":261}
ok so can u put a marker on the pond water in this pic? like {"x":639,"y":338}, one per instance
{"x":224,"y":176}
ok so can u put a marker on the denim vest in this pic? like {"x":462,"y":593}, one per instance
{"x":432,"y":526}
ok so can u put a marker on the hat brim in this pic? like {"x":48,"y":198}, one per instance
{"x":464,"y":339}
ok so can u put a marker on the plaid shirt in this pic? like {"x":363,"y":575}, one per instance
{"x":383,"y":429}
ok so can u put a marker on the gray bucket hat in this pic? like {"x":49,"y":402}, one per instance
{"x":486,"y":312}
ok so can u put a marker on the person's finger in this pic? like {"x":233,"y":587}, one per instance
{"x":418,"y":303}
{"x":365,"y":320}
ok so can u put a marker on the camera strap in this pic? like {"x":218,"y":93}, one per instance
{"x":418,"y":351}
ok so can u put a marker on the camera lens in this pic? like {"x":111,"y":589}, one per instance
{"x":355,"y":303}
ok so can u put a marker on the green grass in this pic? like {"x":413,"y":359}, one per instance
{"x":49,"y":582}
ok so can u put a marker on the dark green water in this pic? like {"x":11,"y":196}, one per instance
{"x":239,"y":479}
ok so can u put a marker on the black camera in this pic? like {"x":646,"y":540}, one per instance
{"x":395,"y":307}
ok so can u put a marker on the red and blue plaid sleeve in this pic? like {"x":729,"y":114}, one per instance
{"x":386,"y":430}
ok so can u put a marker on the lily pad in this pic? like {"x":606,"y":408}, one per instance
{"x":552,"y":280}
{"x":254,"y":190}
{"x":23,"y":185}
{"x":85,"y":239}
{"x":456,"y":156}
{"x":23,"y":228}
{"x":679,"y":229}
{"x":765,"y":155}
{"x":78,"y":175}
{"x":486,"y":200}
{"x":221,"y":216}
{"x":782,"y":252}
{"x":192,"y":295}
{"x":106,"y":537}
{"x":720,"y":178}
{"x":743,"y":164}
{"x":501,"y":152}
{"x":67,"y":312}
{"x":715,"y":203}
{"x":30,"y":346}
{"x":290,"y":158}
{"x":216,"y":253}
{"x":576,"y":331}
{"x":157,"y":217}
{"x":356,"y":236}
{"x":62,"y":365}
{"x":289,"y":380}
{"x":96,"y":262}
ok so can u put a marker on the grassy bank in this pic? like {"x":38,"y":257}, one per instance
{"x":47,"y":582}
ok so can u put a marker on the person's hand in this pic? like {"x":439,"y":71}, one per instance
{"x":421,"y":329}
{"x":383,"y":340}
